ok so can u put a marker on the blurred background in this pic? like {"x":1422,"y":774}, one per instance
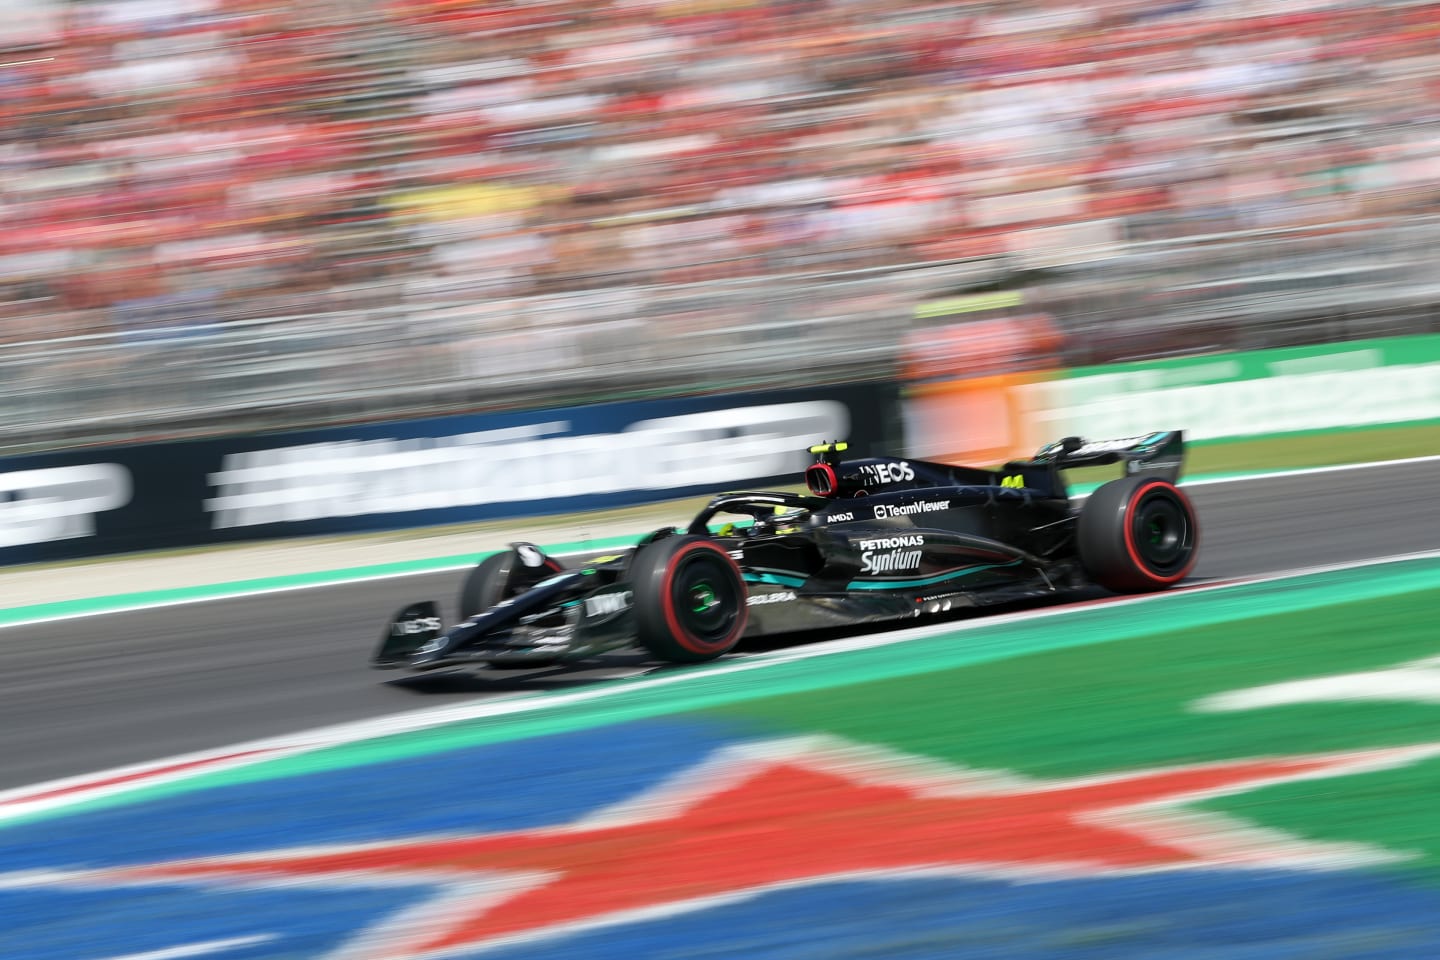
{"x":226,"y":215}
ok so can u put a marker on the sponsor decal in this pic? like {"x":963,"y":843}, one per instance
{"x":890,"y":543}
{"x":518,"y":464}
{"x":889,"y":561}
{"x":885,"y":511}
{"x":1014,"y":481}
{"x":840,"y":517}
{"x":1115,"y":446}
{"x":890,"y":554}
{"x":59,"y":503}
{"x":761,"y":599}
{"x":607,"y":604}
{"x":408,"y":628}
{"x":887,"y":472}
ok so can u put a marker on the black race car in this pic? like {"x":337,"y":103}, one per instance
{"x":875,"y":539}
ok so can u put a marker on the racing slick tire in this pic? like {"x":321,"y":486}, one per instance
{"x":484,"y":585}
{"x":1138,"y":534}
{"x":689,"y":599}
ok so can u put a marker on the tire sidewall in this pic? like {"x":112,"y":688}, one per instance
{"x":484,"y":585}
{"x":661,"y":626}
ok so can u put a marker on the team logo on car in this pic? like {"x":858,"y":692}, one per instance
{"x":884,"y":511}
{"x":408,"y":628}
{"x":887,"y":472}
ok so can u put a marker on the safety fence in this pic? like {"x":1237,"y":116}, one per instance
{"x":1129,"y":300}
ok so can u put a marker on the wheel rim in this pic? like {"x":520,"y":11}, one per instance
{"x":707,"y":602}
{"x":1162,"y":533}
{"x":702,"y":599}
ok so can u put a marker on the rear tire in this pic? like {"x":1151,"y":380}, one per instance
{"x":689,"y":599}
{"x":485,"y":584}
{"x":1138,"y":534}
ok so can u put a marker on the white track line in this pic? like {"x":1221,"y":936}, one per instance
{"x":222,"y":594}
{"x":14,"y":802}
{"x":1205,"y":481}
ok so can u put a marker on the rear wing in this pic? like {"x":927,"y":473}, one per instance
{"x":1161,"y":453}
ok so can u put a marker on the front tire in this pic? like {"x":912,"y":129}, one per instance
{"x":485,"y":584}
{"x":689,"y":599}
{"x":1138,"y":534}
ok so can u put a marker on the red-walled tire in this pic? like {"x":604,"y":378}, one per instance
{"x":1138,"y":534}
{"x":689,"y":599}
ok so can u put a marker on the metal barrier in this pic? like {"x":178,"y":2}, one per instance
{"x":1202,"y":293}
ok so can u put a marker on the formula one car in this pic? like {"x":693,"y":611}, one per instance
{"x":875,"y":539}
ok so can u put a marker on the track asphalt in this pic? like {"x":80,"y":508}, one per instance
{"x":95,"y":692}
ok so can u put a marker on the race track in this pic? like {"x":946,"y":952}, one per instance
{"x":82,"y":695}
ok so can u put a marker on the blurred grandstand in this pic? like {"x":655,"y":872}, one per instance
{"x":223,"y":214}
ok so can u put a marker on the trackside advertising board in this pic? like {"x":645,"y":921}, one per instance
{"x":423,"y":472}
{"x":1361,"y":383}
{"x":988,"y":417}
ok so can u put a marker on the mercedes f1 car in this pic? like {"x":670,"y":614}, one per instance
{"x":874,"y":539}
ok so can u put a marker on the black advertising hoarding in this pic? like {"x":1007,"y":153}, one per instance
{"x":414,"y":473}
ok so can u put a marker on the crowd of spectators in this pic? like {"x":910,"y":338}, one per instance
{"x":167,"y":161}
